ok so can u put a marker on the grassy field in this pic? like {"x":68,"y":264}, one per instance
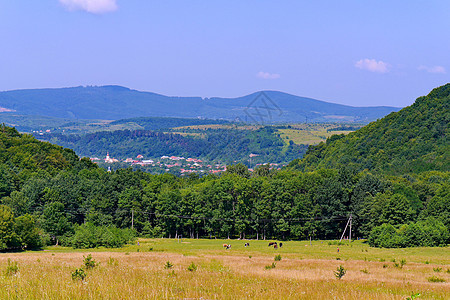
{"x":309,"y":134}
{"x":304,"y":272}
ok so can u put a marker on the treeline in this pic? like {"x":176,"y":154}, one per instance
{"x":265,"y":204}
{"x":225,"y":146}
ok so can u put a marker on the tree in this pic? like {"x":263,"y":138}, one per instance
{"x":27,"y":232}
{"x":8,"y":237}
{"x":54,"y":221}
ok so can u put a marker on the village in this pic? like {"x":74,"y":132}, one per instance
{"x":173,"y":164}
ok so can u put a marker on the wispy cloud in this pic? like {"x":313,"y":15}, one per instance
{"x":435,"y":69}
{"x":372,"y":65}
{"x":267,"y":75}
{"x":91,"y":6}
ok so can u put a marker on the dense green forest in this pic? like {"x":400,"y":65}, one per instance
{"x":218,"y":145}
{"x":48,"y":195}
{"x":414,"y":139}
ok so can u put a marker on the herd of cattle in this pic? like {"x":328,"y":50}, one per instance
{"x":274,"y":244}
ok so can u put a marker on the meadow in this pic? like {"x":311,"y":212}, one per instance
{"x":204,"y":269}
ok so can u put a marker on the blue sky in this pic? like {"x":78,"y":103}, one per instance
{"x":361,"y":53}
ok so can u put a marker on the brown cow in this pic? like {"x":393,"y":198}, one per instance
{"x":272,"y":243}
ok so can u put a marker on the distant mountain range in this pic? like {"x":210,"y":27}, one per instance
{"x":116,"y":102}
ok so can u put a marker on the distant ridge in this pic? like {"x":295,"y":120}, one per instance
{"x":113,"y":102}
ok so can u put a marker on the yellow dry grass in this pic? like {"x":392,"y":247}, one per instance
{"x":221,"y":274}
{"x":307,"y":136}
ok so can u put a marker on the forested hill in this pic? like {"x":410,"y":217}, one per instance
{"x":116,"y":102}
{"x":22,"y":155}
{"x":415,"y":139}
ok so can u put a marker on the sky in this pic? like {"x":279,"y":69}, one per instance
{"x":360,"y":53}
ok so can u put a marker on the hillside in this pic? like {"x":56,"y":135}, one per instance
{"x":115,"y":102}
{"x":414,"y":139}
{"x":22,"y":155}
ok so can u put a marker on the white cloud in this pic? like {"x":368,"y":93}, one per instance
{"x":91,"y":6}
{"x":372,"y":65}
{"x":267,"y":75}
{"x":435,"y":69}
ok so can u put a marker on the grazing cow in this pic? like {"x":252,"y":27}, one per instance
{"x":275,"y":246}
{"x":247,"y":245}
{"x":272,"y":243}
{"x":281,"y":245}
{"x":228,"y":246}
{"x":225,"y":245}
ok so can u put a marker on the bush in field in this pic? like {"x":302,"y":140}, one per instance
{"x":79,"y":274}
{"x":12,"y":268}
{"x":340,"y":272}
{"x":427,"y":233}
{"x":89,"y":262}
{"x":435,"y":279}
{"x":278,"y":257}
{"x":192,"y":267}
{"x":168,"y":265}
{"x":90,"y":236}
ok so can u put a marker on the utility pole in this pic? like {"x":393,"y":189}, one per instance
{"x":350,"y":235}
{"x":345,"y":229}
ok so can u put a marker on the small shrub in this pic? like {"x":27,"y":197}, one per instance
{"x":437,"y":269}
{"x":382,"y":260}
{"x":364,"y":271}
{"x":427,"y":262}
{"x":150,"y":249}
{"x":89,"y":262}
{"x":402,"y":263}
{"x":340,"y":272}
{"x":112,"y":262}
{"x":448,"y":271}
{"x":338,"y":258}
{"x":393,"y":260}
{"x":385,"y":266}
{"x":249,"y":256}
{"x":413,"y":296}
{"x":168,"y":265}
{"x":79,"y":274}
{"x":435,"y":279}
{"x":272,"y":266}
{"x":12,"y":268}
{"x":192,"y":267}
{"x":278,"y":257}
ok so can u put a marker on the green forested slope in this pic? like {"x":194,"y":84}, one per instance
{"x":22,"y":152}
{"x":414,"y":139}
